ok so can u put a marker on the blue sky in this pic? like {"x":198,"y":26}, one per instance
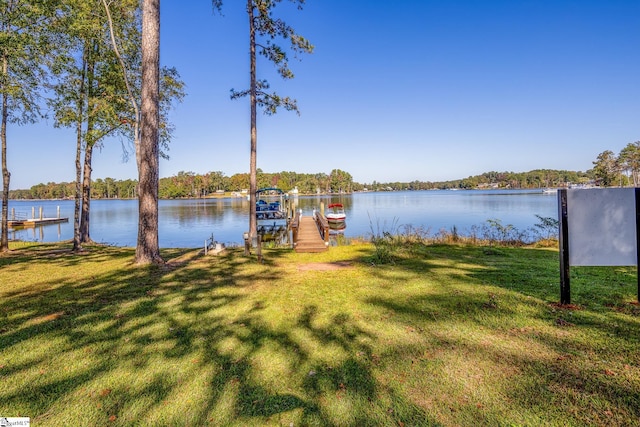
{"x":395,"y":91}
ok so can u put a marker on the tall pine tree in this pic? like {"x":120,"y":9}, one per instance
{"x":263,"y":30}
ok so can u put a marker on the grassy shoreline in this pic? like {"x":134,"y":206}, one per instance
{"x":453,"y":335}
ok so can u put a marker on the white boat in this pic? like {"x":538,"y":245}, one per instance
{"x":336,"y":217}
{"x":549,"y":191}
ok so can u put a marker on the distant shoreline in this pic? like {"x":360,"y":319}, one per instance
{"x":230,"y":195}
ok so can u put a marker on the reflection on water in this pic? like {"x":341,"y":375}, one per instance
{"x":53,"y":233}
{"x":188,"y":223}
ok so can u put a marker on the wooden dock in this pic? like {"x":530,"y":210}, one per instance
{"x":307,"y":235}
{"x":31,"y":223}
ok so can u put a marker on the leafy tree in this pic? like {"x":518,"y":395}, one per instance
{"x":263,"y":26}
{"x":90,"y":86}
{"x":69,"y":101}
{"x":24,"y":48}
{"x":629,"y":161}
{"x":239,"y":181}
{"x":605,"y":168}
{"x":99,"y":87}
{"x":215,"y":181}
{"x":340,"y":181}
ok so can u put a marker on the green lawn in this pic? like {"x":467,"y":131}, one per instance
{"x":440,"y":335}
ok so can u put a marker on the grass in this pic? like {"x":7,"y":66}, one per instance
{"x":451,"y":335}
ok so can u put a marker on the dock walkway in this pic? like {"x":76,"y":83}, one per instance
{"x":308,"y":236}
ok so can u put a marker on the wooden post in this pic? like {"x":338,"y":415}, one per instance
{"x":295,"y":226}
{"x":322,"y":208}
{"x":13,"y":213}
{"x":259,"y":248}
{"x":33,"y":212}
{"x":41,"y":212}
{"x":563,"y":236}
{"x":247,"y":245}
{"x":325,"y":225}
{"x":58,"y":212}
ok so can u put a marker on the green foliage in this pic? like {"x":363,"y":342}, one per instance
{"x":25,"y":47}
{"x":495,"y":232}
{"x":264,"y":30}
{"x":548,"y":227}
{"x":385,"y":240}
{"x":340,"y":181}
{"x":85,"y":37}
{"x":629,"y":162}
{"x":185,"y":184}
{"x":605,"y":168}
{"x":539,"y":178}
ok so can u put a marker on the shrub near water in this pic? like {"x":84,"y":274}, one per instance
{"x":387,"y":239}
{"x":445,"y":335}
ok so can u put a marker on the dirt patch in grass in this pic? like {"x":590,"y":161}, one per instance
{"x":570,"y":307}
{"x":324,"y":266}
{"x":47,"y":318}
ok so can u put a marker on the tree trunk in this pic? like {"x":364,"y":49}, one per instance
{"x":253,"y":187}
{"x":78,"y":193}
{"x":88,"y":152}
{"x":148,"y":249}
{"x":6,"y":176}
{"x":86,"y":195}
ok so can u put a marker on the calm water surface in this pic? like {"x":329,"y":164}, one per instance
{"x":188,"y":223}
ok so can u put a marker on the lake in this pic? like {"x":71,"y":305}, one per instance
{"x":188,"y":223}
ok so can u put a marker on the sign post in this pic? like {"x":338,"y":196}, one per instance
{"x":563,"y":241}
{"x":598,"y":227}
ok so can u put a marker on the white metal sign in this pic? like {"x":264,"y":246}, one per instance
{"x":602,"y":227}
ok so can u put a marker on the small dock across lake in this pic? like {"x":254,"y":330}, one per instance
{"x":31,"y":223}
{"x":21,"y":220}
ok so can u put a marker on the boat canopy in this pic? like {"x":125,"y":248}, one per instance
{"x":269,"y":190}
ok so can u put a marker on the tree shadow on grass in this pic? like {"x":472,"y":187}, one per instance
{"x":179,"y":345}
{"x":316,"y":390}
{"x":112,"y":316}
{"x":200,"y":343}
{"x":548,"y":363}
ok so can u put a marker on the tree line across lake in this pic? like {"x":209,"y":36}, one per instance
{"x":190,"y":184}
